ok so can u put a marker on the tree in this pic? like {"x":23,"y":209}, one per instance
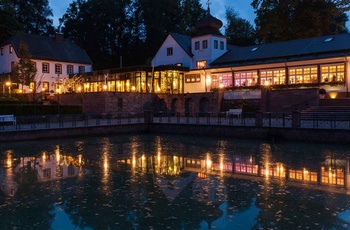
{"x":281,"y":20}
{"x":238,"y":30}
{"x":8,"y":25}
{"x":23,"y":71}
{"x":34,"y":16}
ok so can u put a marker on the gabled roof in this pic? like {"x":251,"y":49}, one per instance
{"x":47,"y":48}
{"x":294,"y":50}
{"x":184,"y":41}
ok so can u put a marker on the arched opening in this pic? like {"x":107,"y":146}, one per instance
{"x":189,"y":107}
{"x":173,"y":106}
{"x":203,"y":106}
{"x":162,"y":106}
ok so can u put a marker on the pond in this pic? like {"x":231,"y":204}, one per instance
{"x":173,"y":182}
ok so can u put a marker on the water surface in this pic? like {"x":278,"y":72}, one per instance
{"x":173,"y":182}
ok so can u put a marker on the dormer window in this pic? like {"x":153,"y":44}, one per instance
{"x":205,"y":44}
{"x":196,"y":45}
{"x":216,"y":44}
{"x":169,"y":51}
{"x":222,"y":45}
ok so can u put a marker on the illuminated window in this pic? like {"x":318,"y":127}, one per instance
{"x":205,"y":44}
{"x":273,"y":77}
{"x":332,"y":73}
{"x":45,"y":67}
{"x":221,"y":80}
{"x":303,"y":75}
{"x":69,"y":69}
{"x":196,"y":45}
{"x":10,"y":49}
{"x":58,"y":69}
{"x":201,"y":64}
{"x":192,"y":78}
{"x":246,"y":78}
{"x":59,"y":171}
{"x":169,"y":51}
{"x":216,"y":44}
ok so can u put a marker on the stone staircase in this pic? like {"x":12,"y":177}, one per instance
{"x":336,"y":113}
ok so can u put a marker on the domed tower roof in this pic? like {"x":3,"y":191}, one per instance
{"x":209,"y":25}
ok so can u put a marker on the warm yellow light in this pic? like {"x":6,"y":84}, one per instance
{"x":208,"y":81}
{"x":221,"y":86}
{"x":105,"y":164}
{"x":79,"y":88}
{"x":57,"y":90}
{"x":8,"y":83}
{"x":209,"y":162}
{"x":333,"y":95}
{"x":104,"y":87}
{"x":133,"y":162}
{"x":20,"y":91}
{"x":267,"y":83}
{"x":133,"y":88}
{"x":43,"y":89}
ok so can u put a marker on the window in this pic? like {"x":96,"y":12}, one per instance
{"x":273,"y":77}
{"x":58,"y":69}
{"x":12,"y":65}
{"x":221,"y":80}
{"x":71,"y":170}
{"x":45,"y":86}
{"x":191,"y":78}
{"x":201,"y":64}
{"x":332,"y":73}
{"x":81,"y":69}
{"x":47,"y":173}
{"x":59,"y":171}
{"x":205,"y":44}
{"x":303,"y":74}
{"x":69,"y":69}
{"x":216,"y":44}
{"x":34,"y":64}
{"x":222,"y":45}
{"x":169,"y":51}
{"x":246,"y":78}
{"x":196,"y":45}
{"x":46,"y":67}
{"x":10,"y":49}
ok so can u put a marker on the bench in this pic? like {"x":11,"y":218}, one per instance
{"x":8,"y":119}
{"x":234,"y":112}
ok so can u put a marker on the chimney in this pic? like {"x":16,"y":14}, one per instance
{"x":59,"y":37}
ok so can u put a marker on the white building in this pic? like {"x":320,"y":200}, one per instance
{"x":55,"y":59}
{"x":213,"y":64}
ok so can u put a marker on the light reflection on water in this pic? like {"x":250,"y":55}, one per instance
{"x":173,"y":182}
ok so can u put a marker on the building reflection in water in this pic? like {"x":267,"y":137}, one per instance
{"x":173,"y":172}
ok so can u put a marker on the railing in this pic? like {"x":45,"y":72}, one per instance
{"x":281,"y":120}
